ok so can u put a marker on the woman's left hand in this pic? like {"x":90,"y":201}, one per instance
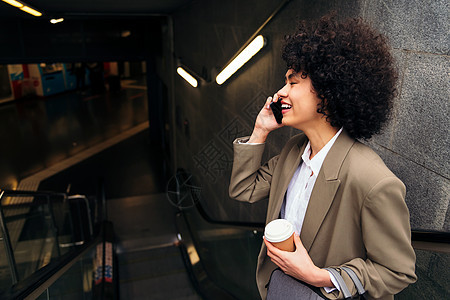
{"x":298,"y":264}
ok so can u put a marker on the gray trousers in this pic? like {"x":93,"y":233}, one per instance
{"x":284,"y":287}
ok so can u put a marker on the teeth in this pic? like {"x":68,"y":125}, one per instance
{"x":286,"y":106}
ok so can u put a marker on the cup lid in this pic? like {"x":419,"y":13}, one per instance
{"x":278,"y":230}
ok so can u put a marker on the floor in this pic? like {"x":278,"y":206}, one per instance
{"x":129,"y":168}
{"x":38,"y":132}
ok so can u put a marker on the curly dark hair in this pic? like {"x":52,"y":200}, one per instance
{"x":351,"y":69}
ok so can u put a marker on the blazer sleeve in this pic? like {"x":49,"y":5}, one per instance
{"x":390,"y":263}
{"x":250,"y":181}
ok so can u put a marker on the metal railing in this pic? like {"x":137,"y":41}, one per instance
{"x":99,"y":233}
{"x":35,"y":199}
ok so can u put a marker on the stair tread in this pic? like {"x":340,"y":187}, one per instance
{"x":168,"y":286}
{"x":154,"y":274}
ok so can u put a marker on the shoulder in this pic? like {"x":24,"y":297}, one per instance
{"x":366,"y":168}
{"x":362,"y":157}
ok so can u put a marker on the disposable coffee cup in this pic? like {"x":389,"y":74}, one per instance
{"x":280,"y":233}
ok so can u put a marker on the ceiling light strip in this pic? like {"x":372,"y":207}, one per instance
{"x":14,"y":3}
{"x":54,"y":21}
{"x":243,"y":57}
{"x":186,"y":76}
{"x":31,"y":11}
{"x":25,"y":7}
{"x":253,"y":37}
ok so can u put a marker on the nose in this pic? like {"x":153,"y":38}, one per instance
{"x":283,"y":92}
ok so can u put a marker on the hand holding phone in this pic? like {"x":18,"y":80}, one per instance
{"x":276,"y":109}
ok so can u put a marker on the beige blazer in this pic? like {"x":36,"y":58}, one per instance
{"x":356,"y":216}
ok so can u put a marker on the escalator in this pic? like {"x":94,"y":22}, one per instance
{"x":52,"y":251}
{"x":55,"y":246}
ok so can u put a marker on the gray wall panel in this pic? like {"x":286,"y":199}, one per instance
{"x":427,"y":192}
{"x":420,"y":132}
{"x":414,"y":25}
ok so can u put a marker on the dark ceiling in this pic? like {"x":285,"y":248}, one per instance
{"x":94,"y":8}
{"x":93,"y":30}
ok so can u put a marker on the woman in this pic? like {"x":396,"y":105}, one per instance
{"x":347,"y":207}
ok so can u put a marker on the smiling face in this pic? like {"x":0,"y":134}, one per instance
{"x":299,"y":102}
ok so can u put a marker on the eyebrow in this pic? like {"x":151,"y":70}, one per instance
{"x":289,"y":77}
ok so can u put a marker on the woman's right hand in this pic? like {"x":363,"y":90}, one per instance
{"x":265,"y":122}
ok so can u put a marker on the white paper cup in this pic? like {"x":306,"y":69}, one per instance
{"x":280,"y":233}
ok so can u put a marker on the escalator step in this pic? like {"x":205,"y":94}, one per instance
{"x":154,"y":274}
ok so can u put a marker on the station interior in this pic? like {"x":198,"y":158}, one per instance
{"x":115,"y":169}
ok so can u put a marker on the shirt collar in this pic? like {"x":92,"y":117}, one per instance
{"x":316,"y":162}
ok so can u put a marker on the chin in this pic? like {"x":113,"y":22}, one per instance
{"x":286,"y":122}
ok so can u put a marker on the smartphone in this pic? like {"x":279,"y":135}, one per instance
{"x":276,"y":109}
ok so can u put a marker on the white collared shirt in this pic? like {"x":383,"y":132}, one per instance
{"x":302,"y":183}
{"x":300,"y":189}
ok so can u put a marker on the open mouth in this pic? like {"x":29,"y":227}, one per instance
{"x":285,"y":107}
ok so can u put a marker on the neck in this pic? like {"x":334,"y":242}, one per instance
{"x":319,"y":137}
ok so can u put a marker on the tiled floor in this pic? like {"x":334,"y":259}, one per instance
{"x":129,"y":168}
{"x":37,"y":133}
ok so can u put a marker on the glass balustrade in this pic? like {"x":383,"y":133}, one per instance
{"x":76,"y":282}
{"x":37,"y":228}
{"x":227,"y":253}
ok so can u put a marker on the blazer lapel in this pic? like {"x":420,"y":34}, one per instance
{"x":291,"y":164}
{"x":325,"y":189}
{"x":321,"y":198}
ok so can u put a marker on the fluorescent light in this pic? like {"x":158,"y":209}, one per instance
{"x":241,"y":59}
{"x":54,"y":21}
{"x":188,"y":77}
{"x":23,"y":7}
{"x":14,"y":3}
{"x":31,"y":11}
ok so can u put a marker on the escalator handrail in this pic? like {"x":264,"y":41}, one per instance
{"x":5,"y":232}
{"x":32,"y":286}
{"x":209,"y":219}
{"x":186,"y":178}
{"x":35,"y":284}
{"x":47,"y":194}
{"x":428,"y":236}
{"x":39,"y":281}
{"x":9,"y":193}
{"x":37,"y":202}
